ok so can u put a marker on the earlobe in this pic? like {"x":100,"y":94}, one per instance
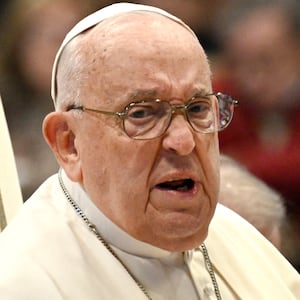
{"x":61,"y":139}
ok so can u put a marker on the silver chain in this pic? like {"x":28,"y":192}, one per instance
{"x":210,"y":270}
{"x":94,"y":230}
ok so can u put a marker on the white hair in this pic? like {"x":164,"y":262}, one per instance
{"x":250,"y":197}
{"x":70,"y":75}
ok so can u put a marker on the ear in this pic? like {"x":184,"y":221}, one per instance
{"x":57,"y":130}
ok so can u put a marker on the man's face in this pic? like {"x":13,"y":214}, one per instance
{"x":162,"y":191}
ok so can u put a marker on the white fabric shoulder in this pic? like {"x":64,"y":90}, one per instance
{"x":48,"y":252}
{"x":253,"y":267}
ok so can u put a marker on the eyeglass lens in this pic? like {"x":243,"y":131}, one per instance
{"x":150,"y":119}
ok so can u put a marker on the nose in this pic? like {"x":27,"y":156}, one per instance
{"x":179,"y":137}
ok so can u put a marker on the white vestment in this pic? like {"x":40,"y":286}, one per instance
{"x":48,"y":252}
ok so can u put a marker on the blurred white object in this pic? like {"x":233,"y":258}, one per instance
{"x":10,"y":191}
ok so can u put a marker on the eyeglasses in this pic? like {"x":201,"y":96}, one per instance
{"x":150,"y":119}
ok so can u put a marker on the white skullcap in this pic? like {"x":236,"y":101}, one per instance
{"x":97,"y":17}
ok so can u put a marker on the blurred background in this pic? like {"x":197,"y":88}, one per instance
{"x":253,"y":48}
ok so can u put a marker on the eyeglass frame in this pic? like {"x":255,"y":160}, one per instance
{"x":173,"y":108}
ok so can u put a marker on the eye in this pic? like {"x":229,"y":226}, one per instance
{"x":141,"y":111}
{"x":199,"y":108}
{"x":145,"y":113}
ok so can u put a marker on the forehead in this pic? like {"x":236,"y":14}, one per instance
{"x":139,"y":49}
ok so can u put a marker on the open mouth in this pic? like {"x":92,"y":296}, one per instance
{"x":181,"y":185}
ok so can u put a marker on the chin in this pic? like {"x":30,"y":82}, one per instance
{"x":181,"y":244}
{"x":180,"y":235}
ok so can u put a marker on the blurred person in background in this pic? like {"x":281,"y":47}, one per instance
{"x":31,"y":32}
{"x":251,"y":198}
{"x":262,"y":70}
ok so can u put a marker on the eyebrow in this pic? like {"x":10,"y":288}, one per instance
{"x":140,"y":94}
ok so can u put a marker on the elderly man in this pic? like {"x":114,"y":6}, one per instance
{"x":129,"y":214}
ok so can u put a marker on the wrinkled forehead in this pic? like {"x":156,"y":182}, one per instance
{"x":99,"y":16}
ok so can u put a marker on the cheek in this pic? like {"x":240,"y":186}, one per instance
{"x":94,"y":152}
{"x":126,"y":185}
{"x":117,"y":169}
{"x":208,"y":153}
